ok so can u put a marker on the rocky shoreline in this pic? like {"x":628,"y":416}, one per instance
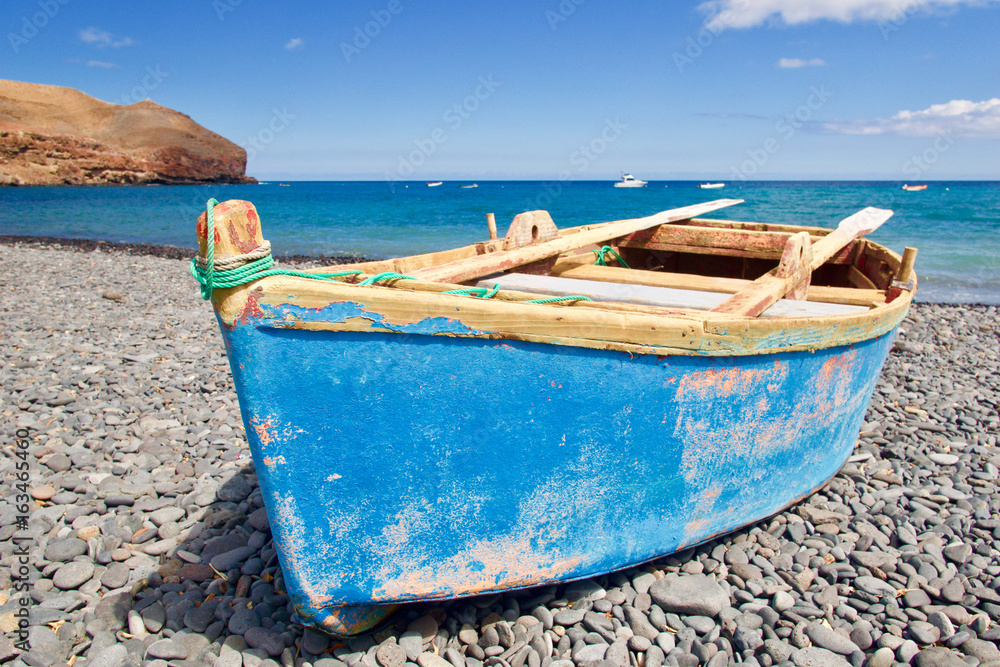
{"x":146,"y":541}
{"x":161,"y":251}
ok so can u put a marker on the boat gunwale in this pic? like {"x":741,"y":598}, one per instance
{"x":408,"y":305}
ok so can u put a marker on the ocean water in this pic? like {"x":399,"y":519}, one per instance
{"x":955,"y":226}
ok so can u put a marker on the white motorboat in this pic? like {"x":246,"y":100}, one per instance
{"x":630,"y":181}
{"x":711,"y":186}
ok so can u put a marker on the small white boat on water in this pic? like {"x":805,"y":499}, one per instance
{"x":630,"y":181}
{"x":711,"y":186}
{"x":914,"y":188}
{"x":474,"y":185}
{"x":434,"y":184}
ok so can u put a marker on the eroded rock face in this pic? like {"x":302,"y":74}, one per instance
{"x":51,"y":135}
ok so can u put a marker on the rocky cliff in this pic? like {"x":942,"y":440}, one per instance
{"x":51,"y":135}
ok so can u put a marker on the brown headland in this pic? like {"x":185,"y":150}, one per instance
{"x":51,"y":135}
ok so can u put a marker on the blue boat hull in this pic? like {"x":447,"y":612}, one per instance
{"x":407,"y":466}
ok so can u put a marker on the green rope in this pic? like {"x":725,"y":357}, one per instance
{"x":604,"y":251}
{"x":211,"y":280}
{"x":556,"y":299}
{"x":388,"y":275}
{"x":480,"y":292}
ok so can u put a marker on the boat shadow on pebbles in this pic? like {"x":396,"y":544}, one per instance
{"x":151,"y":544}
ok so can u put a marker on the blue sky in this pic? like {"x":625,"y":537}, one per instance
{"x":905,"y":90}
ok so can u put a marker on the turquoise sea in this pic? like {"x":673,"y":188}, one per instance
{"x":956,"y":225}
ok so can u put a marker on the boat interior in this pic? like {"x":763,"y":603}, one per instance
{"x":693,"y":265}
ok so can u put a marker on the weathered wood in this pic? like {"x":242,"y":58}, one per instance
{"x":401,"y":308}
{"x":772,"y":243}
{"x":763,"y":292}
{"x":530,"y":228}
{"x":663,"y":297}
{"x":491,"y":223}
{"x":237,"y":229}
{"x":740,"y":335}
{"x":859,"y":279}
{"x":905,"y":273}
{"x":405,"y":264}
{"x":578,"y":267}
{"x":475,"y":267}
{"x":757,"y":226}
{"x":796,"y":266}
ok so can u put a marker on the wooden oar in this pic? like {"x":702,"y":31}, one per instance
{"x":482,"y":265}
{"x":759,"y":295}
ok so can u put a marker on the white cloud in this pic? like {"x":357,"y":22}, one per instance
{"x":722,"y":14}
{"x":103,"y":38}
{"x":792,"y":63}
{"x":960,"y":118}
{"x":98,"y":63}
{"x":294,"y":43}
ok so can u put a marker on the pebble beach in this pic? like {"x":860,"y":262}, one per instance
{"x":146,"y":541}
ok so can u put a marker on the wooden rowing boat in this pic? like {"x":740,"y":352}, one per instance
{"x":415,"y":440}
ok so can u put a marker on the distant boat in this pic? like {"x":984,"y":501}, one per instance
{"x":630,"y":181}
{"x":711,"y":186}
{"x":474,"y":185}
{"x":284,"y":185}
{"x":914,"y":188}
{"x":434,"y":184}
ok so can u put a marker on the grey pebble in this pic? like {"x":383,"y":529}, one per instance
{"x":73,"y":575}
{"x":112,"y":656}
{"x":924,"y":633}
{"x":883,"y":657}
{"x":166,"y":515}
{"x":983,"y":650}
{"x":745,"y":638}
{"x":830,"y":639}
{"x":315,"y":642}
{"x":257,"y":637}
{"x":413,"y":644}
{"x":390,"y":654}
{"x":778,"y":650}
{"x":153,"y":617}
{"x":115,"y":576}
{"x":937,"y":656}
{"x":690,"y":594}
{"x":568,"y":617}
{"x":166,"y":649}
{"x":590,"y":653}
{"x":907,"y":650}
{"x":242,"y":620}
{"x":198,"y":619}
{"x":428,"y":659}
{"x":228,"y":658}
{"x":65,"y":550}
{"x":814,"y":656}
{"x":875,"y":587}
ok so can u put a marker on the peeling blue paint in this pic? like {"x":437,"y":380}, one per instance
{"x":398,"y":468}
{"x":344,"y":311}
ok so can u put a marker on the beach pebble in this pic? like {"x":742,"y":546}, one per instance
{"x":690,"y":594}
{"x":814,"y":656}
{"x":73,"y":575}
{"x":390,"y":654}
{"x":257,"y":637}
